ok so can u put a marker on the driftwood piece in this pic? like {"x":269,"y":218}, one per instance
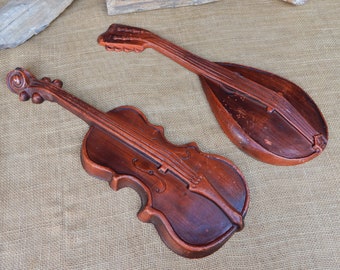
{"x":296,"y":2}
{"x":115,"y":7}
{"x":21,"y":19}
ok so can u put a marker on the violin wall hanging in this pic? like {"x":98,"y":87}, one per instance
{"x":267,"y":116}
{"x":195,"y":200}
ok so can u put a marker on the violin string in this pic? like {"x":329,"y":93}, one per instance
{"x":154,"y":150}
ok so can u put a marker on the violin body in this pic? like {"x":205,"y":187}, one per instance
{"x":189,"y":223}
{"x":195,"y":200}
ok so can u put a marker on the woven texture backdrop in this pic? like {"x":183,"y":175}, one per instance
{"x":55,"y":216}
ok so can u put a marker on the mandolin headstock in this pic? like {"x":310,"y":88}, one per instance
{"x":124,"y":38}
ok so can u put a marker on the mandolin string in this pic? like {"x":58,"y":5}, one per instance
{"x":282,"y":106}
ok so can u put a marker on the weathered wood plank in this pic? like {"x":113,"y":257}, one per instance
{"x":21,"y":19}
{"x":115,"y":7}
{"x":296,"y":2}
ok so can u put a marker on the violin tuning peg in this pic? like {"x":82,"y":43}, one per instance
{"x":37,"y":99}
{"x":58,"y":83}
{"x":23,"y":96}
{"x":46,"y":79}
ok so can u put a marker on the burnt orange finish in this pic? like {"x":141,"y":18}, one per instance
{"x":267,"y":116}
{"x":195,"y":200}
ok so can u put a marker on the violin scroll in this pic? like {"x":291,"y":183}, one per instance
{"x":19,"y":81}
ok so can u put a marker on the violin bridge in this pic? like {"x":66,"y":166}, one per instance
{"x":270,"y":109}
{"x":163,"y":168}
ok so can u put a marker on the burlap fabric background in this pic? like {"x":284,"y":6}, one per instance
{"x":55,"y":216}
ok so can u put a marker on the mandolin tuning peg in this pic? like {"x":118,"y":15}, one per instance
{"x":23,"y":96}
{"x":37,"y":99}
{"x":138,"y":50}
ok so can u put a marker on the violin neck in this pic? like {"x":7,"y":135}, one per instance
{"x":83,"y":110}
{"x":27,"y":86}
{"x":102,"y":121}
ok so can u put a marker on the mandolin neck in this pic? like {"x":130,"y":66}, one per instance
{"x":214,"y":71}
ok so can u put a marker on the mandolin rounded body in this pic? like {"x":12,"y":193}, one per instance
{"x":190,"y":224}
{"x":262,"y":133}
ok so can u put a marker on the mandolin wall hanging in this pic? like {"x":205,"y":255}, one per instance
{"x":267,"y":116}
